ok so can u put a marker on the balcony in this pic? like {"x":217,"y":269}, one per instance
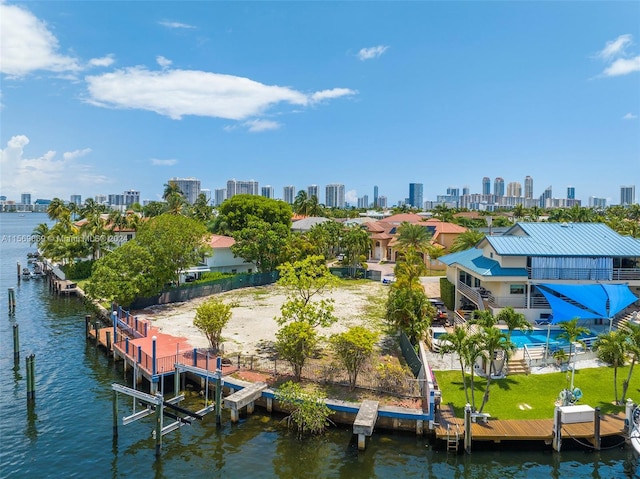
{"x":588,"y":274}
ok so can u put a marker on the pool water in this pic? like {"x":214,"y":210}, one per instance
{"x":539,"y":336}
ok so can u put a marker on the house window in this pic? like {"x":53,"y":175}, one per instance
{"x":249,"y":271}
{"x":234,"y":271}
{"x":516,"y":289}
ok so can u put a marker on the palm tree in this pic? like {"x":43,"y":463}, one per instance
{"x":466,"y":240}
{"x":632,"y":333}
{"x":534,"y":213}
{"x":171,"y":188}
{"x":443,"y":213}
{"x":301,"y":203}
{"x":314,"y":207}
{"x":57,"y":209}
{"x":356,"y":245}
{"x":513,"y":320}
{"x":518,"y":212}
{"x":571,"y":332}
{"x":40,"y":233}
{"x":484,"y":318}
{"x":494,"y":342}
{"x":611,"y":347}
{"x":458,"y":342}
{"x":413,"y":236}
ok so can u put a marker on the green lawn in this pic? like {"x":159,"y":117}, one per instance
{"x":533,"y":396}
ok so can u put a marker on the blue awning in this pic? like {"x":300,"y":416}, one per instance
{"x":586,"y":301}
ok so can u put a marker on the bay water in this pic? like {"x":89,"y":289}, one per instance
{"x":67,"y":432}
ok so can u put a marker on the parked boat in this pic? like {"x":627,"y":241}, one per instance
{"x":27,"y":274}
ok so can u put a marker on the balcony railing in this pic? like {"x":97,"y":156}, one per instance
{"x":592,"y":274}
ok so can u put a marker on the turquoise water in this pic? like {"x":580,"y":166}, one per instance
{"x":538,"y":337}
{"x":67,"y":433}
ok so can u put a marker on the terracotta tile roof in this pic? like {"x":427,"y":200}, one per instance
{"x":401,"y":217}
{"x":220,"y":241}
{"x":444,"y":227}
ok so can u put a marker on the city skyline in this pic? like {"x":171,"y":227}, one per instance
{"x":433,"y":93}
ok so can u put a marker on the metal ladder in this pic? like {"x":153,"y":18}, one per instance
{"x":453,"y":438}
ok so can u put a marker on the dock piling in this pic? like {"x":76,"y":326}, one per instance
{"x":19,"y":269}
{"x":31,"y":383}
{"x":12,"y":301}
{"x":16,"y":344}
{"x":597,"y":442}
{"x":87,"y":325}
{"x":467,"y":428}
{"x":218,"y":390}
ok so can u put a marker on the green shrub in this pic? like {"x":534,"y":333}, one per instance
{"x":79,"y":270}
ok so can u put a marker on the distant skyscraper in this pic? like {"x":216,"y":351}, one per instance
{"x":312,"y":190}
{"x":465,"y":190}
{"x":190,"y":188}
{"x":116,"y":200}
{"x":382,"y":202}
{"x":267,"y":191}
{"x":100,"y":199}
{"x":363,"y":202}
{"x":498,"y":187}
{"x":454,"y":192}
{"x":235,"y":187}
{"x":375,"y":196}
{"x":627,"y":195}
{"x":207,"y":194}
{"x":25,"y":198}
{"x":597,"y":202}
{"x":131,"y":197}
{"x":415,"y":195}
{"x":547,"y":195}
{"x":219,"y":195}
{"x":528,"y":187}
{"x":486,"y":185}
{"x":289,"y":194}
{"x":514,"y":189}
{"x":76,"y":200}
{"x":571,"y":193}
{"x":334,"y":195}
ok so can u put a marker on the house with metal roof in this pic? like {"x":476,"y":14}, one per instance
{"x":514,"y":269}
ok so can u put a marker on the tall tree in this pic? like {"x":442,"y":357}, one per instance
{"x":611,"y":348}
{"x":57,"y":210}
{"x":631,"y":331}
{"x":571,"y":331}
{"x":301,"y":203}
{"x":495,"y":343}
{"x":356,"y":245}
{"x":238,"y":210}
{"x":261,"y":243}
{"x":466,"y":240}
{"x":513,"y":320}
{"x":413,"y":236}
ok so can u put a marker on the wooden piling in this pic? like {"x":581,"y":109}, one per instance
{"x":597,"y":441}
{"x":115,"y":414}
{"x":12,"y":301}
{"x":16,"y":344}
{"x":218,"y":390}
{"x":19,"y":270}
{"x":108,"y":341}
{"x":557,"y":430}
{"x":467,"y":428}
{"x":87,"y":325}
{"x":31,"y":383}
{"x":159,"y":411}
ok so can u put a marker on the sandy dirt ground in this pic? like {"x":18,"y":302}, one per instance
{"x":252,"y":328}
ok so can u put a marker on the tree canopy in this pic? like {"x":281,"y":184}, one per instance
{"x":236,"y":212}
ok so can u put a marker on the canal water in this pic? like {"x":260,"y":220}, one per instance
{"x":68,"y":432}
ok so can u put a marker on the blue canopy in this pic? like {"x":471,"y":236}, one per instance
{"x":586,"y":301}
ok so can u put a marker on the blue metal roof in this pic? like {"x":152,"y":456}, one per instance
{"x":564,"y":239}
{"x":473,"y":260}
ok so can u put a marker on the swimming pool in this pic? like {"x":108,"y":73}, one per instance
{"x":531,"y":338}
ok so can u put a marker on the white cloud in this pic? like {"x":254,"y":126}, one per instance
{"x":27,"y":45}
{"x":72,"y":155}
{"x":261,"y":125}
{"x":157,"y":162}
{"x":176,"y":93}
{"x":372,"y":52}
{"x":170,"y":24}
{"x":163,"y":62}
{"x":623,"y":66}
{"x":615,"y":47}
{"x":45,"y":175}
{"x":351,"y":197}
{"x":105,"y":61}
{"x":630,"y":116}
{"x":330,"y":94}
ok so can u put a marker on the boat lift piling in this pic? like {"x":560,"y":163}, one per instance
{"x":12,"y":299}
{"x":16,"y":345}
{"x":31,"y":381}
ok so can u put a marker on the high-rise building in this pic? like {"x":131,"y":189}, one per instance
{"x":415,"y":195}
{"x":528,"y":187}
{"x":597,"y":202}
{"x":514,"y":189}
{"x":207,"y":194}
{"x":627,"y":195}
{"x":465,"y":190}
{"x":486,"y":185}
{"x":190,"y":188}
{"x":219,"y":195}
{"x":571,"y":193}
{"x":382,"y":202}
{"x":375,"y":196}
{"x":453,"y":192}
{"x":546,"y":195}
{"x":289,"y":194}
{"x":498,"y":187}
{"x":131,"y":197}
{"x":312,"y":190}
{"x":235,"y":187}
{"x":363,"y":202}
{"x":25,"y":199}
{"x":100,"y":199}
{"x":116,"y":200}
{"x":334,"y":195}
{"x":76,"y":200}
{"x":267,"y":191}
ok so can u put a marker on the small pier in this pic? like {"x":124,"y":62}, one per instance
{"x":245,"y":397}
{"x":365,"y":421}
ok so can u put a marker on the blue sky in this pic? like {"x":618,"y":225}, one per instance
{"x":100,"y":97}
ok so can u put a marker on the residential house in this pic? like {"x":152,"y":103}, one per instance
{"x":512,"y":269}
{"x":222,"y":259}
{"x":384,"y":234}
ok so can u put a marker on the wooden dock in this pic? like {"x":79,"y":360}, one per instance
{"x":498,"y":430}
